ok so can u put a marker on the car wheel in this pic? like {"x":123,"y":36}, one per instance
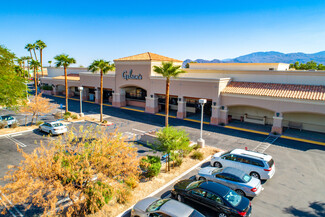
{"x":240,"y":192}
{"x":51,"y":133}
{"x":202,"y":179}
{"x":217,"y":164}
{"x":255,"y":175}
{"x":180,"y":198}
{"x":222,"y":215}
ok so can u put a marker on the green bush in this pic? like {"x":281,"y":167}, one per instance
{"x":131,"y":182}
{"x":14,"y":125}
{"x":46,"y":87}
{"x":151,"y":165}
{"x":74,"y":116}
{"x":196,"y":146}
{"x":105,"y":121}
{"x":66,"y":117}
{"x":67,"y":114}
{"x":178,"y":161}
{"x":39,"y":123}
{"x":197,"y":155}
{"x":3,"y":124}
{"x":106,"y":192}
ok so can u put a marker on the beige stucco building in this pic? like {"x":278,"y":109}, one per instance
{"x":260,"y":93}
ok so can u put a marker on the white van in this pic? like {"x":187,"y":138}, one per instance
{"x":255,"y":164}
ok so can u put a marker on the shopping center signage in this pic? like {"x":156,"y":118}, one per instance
{"x":128,"y":75}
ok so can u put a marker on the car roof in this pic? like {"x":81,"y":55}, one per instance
{"x":54,"y":122}
{"x":175,"y":208}
{"x":234,"y":171}
{"x":209,"y":170}
{"x":252,"y":154}
{"x":215,"y":188}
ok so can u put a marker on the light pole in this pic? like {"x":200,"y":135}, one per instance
{"x":80,"y":90}
{"x":201,"y":141}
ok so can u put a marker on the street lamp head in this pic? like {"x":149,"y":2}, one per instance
{"x":202,"y":101}
{"x":80,"y":88}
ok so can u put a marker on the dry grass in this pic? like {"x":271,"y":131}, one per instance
{"x":146,"y":188}
{"x":16,"y":130}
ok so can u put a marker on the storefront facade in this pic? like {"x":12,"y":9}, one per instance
{"x":267,"y":94}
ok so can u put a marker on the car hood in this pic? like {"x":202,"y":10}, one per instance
{"x":207,"y":170}
{"x":181,"y":185}
{"x":142,"y":205}
{"x":219,"y":154}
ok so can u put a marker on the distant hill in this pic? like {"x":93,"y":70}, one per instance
{"x":268,"y":57}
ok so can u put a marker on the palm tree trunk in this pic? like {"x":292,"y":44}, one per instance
{"x":35,"y":81}
{"x":41,"y":56}
{"x":35,"y":54}
{"x":31,"y":55}
{"x":167,"y":102}
{"x":66,"y":89}
{"x":101,"y":95}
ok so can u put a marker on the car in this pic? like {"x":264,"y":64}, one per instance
{"x":152,"y":206}
{"x":217,"y":197}
{"x":255,"y":164}
{"x":235,"y":179}
{"x":54,"y":128}
{"x":9,"y":119}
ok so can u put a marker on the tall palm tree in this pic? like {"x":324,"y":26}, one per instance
{"x":168,"y":70}
{"x":34,"y":64}
{"x":103,"y":67}
{"x":50,"y":62}
{"x":40,"y":45}
{"x":29,"y":47}
{"x":26,"y":58}
{"x":34,"y":49}
{"x":64,"y":60}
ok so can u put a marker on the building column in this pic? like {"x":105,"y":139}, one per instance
{"x":181,"y":109}
{"x":152,"y":104}
{"x":97,"y":96}
{"x":215,"y":117}
{"x":55,"y":90}
{"x":85,"y":94}
{"x":70,"y":92}
{"x":119,"y":100}
{"x":277,"y":123}
{"x":224,"y":115}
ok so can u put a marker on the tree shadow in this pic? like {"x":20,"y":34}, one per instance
{"x":318,"y":210}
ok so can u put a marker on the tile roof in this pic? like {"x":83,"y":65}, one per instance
{"x":147,"y":56}
{"x":293,"y":91}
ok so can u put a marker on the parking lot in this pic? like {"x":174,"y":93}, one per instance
{"x":295,"y":190}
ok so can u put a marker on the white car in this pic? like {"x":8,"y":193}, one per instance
{"x":54,"y":128}
{"x":9,"y":119}
{"x":255,"y":164}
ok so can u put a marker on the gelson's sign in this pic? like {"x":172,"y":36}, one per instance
{"x":128,"y":75}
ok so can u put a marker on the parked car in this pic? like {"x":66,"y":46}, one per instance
{"x":9,"y":119}
{"x":235,"y":179}
{"x":54,"y":128}
{"x":168,"y":207}
{"x":218,"y":197}
{"x":255,"y":164}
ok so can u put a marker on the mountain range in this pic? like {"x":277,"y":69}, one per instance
{"x":268,"y":57}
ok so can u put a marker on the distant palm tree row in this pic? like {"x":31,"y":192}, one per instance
{"x":167,"y":70}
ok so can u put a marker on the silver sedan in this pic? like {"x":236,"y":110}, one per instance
{"x":54,"y":128}
{"x":235,"y":179}
{"x":152,"y":206}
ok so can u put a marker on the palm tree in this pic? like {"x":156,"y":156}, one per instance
{"x":168,"y":70}
{"x":26,"y":58}
{"x":64,"y":60}
{"x":29,"y":47}
{"x":40,"y":45}
{"x":34,"y":65}
{"x":103,"y":67}
{"x":50,"y":62}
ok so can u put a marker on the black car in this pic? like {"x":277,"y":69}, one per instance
{"x":215,"y":196}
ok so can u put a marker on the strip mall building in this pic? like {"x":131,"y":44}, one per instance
{"x":260,"y":93}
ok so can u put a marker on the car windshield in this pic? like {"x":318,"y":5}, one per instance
{"x":216,"y":171}
{"x":7,"y":118}
{"x":233,"y":198}
{"x":246,"y":178}
{"x":196,"y":214}
{"x":225,"y":153}
{"x":157,"y":204}
{"x":57,"y":125}
{"x":193,"y":185}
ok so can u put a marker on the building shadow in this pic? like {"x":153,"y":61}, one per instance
{"x":318,"y":210}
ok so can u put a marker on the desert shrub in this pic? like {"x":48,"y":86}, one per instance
{"x":66,"y":117}
{"x":105,"y":121}
{"x":14,"y":125}
{"x":197,"y":155}
{"x":74,"y":116}
{"x":196,"y":146}
{"x":178,"y":161}
{"x":106,"y":192}
{"x":46,"y":87}
{"x":123,"y":195}
{"x":3,"y":124}
{"x":67,"y":114}
{"x":151,"y":165}
{"x":39,"y":123}
{"x":131,"y":182}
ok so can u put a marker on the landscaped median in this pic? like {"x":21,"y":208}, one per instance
{"x":145,"y":188}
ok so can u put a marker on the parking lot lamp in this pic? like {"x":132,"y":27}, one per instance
{"x":80,"y":90}
{"x":201,"y":141}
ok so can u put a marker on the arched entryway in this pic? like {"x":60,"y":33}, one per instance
{"x":304,"y":121}
{"x":135,"y":96}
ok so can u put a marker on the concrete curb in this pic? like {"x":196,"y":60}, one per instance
{"x":169,"y":183}
{"x":25,"y":131}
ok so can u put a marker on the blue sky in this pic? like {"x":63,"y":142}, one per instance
{"x":88,"y":30}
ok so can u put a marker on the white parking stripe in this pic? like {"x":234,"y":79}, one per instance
{"x":8,"y":209}
{"x":12,"y":205}
{"x":141,"y":131}
{"x":16,"y":141}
